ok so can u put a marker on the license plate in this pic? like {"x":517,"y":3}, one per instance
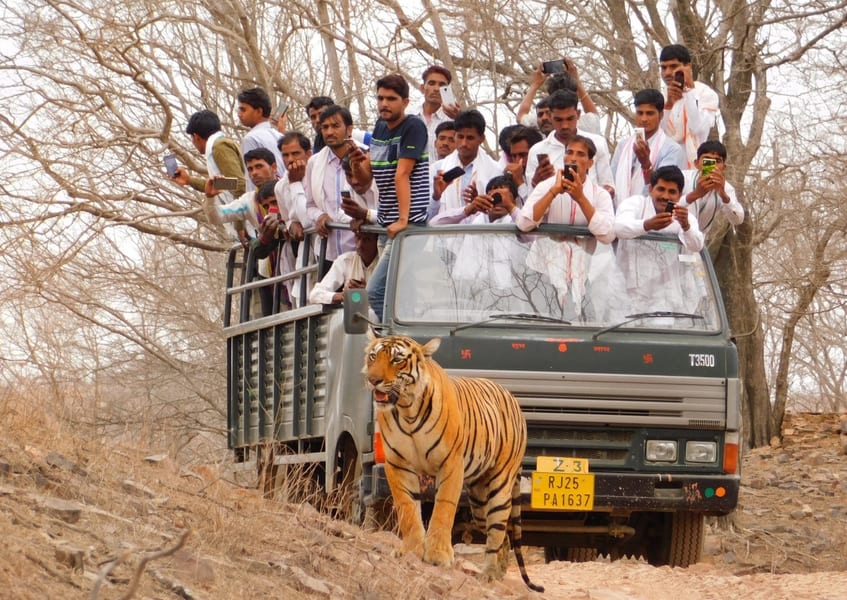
{"x":562,"y":491}
{"x":555,"y":464}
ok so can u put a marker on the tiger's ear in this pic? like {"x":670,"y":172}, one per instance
{"x":430,"y":347}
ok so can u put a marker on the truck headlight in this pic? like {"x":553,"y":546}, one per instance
{"x":661,"y":451}
{"x":701,"y":452}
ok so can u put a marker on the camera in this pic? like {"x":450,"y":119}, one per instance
{"x":496,"y":198}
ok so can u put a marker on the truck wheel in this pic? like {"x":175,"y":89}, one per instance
{"x":345,"y":501}
{"x":681,"y":543}
{"x":571,"y":554}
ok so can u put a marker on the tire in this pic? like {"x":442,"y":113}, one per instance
{"x":681,"y":541}
{"x":575,"y":554}
{"x":344,"y":501}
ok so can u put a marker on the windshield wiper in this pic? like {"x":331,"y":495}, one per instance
{"x":647,"y":315}
{"x":515,"y":316}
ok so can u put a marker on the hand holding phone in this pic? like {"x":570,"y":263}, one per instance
{"x":707,"y":166}
{"x":170,"y":165}
{"x":669,"y":207}
{"x":496,"y":198}
{"x":225,"y":183}
{"x":553,"y":66}
{"x":452,"y":174}
{"x":447,"y":95}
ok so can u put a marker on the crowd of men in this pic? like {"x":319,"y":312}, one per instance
{"x":427,"y":166}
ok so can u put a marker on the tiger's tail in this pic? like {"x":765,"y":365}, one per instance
{"x":515,"y":533}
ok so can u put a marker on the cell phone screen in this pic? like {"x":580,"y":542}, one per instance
{"x":170,"y":165}
{"x":553,"y":66}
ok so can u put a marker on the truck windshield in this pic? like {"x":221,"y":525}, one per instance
{"x":457,"y":275}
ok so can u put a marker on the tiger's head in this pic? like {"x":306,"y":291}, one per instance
{"x":395,"y":367}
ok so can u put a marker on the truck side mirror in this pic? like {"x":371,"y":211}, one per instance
{"x":356,"y":308}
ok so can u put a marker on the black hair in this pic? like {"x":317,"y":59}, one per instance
{"x":505,"y":136}
{"x":470,"y":119}
{"x":445,"y":126}
{"x":294,"y":136}
{"x":257,"y":98}
{"x":587,"y":142}
{"x":394,"y":82}
{"x":649,"y":96}
{"x":561,"y":81}
{"x":668,"y":173}
{"x":502,"y":181}
{"x":530,"y":135}
{"x":319,"y":102}
{"x":204,"y":123}
{"x":260,"y":154}
{"x":543,"y":103}
{"x":675,"y":51}
{"x":267,"y":190}
{"x":713,"y":146}
{"x":437,"y":69}
{"x":563,"y":99}
{"x":337,"y":109}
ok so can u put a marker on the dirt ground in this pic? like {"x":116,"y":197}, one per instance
{"x":82,"y":518}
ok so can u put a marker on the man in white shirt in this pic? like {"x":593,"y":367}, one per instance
{"x":659,"y":276}
{"x":325,"y":181}
{"x":660,"y":211}
{"x":349,"y":271}
{"x":546,"y":158}
{"x":434,"y":110}
{"x":571,"y":197}
{"x":516,"y":150}
{"x":639,"y":154}
{"x":254,"y":111}
{"x":476,"y":166}
{"x":707,"y":191}
{"x":691,"y":107}
{"x":497,"y":205}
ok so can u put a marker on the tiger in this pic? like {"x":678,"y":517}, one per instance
{"x":465,"y":432}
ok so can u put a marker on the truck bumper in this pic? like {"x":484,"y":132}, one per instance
{"x":614,"y":492}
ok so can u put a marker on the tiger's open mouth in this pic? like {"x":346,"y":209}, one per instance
{"x":384,"y":397}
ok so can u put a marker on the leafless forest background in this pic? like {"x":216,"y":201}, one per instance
{"x":111,"y":281}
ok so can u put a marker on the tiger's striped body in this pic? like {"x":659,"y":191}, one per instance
{"x":465,"y":432}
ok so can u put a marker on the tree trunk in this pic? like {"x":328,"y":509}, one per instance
{"x":734,"y":268}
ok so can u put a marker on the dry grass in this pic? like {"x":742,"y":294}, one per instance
{"x":180,"y":532}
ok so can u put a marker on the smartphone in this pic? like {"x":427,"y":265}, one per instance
{"x":496,"y":198}
{"x":280,"y":111}
{"x":447,"y":95}
{"x":225,"y":183}
{"x":669,"y":207}
{"x":679,"y":77}
{"x":707,"y":165}
{"x":452,"y":174}
{"x":345,"y":195}
{"x":569,"y":172}
{"x":170,"y":165}
{"x":273,"y":209}
{"x":640,"y":134}
{"x":541,"y":157}
{"x":553,"y":66}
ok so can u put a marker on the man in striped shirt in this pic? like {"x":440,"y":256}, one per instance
{"x":400,"y":166}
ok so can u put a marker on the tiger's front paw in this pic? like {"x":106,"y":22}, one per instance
{"x":413,"y":545}
{"x":438,"y":551}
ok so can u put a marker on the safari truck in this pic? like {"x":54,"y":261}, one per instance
{"x":619,"y":355}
